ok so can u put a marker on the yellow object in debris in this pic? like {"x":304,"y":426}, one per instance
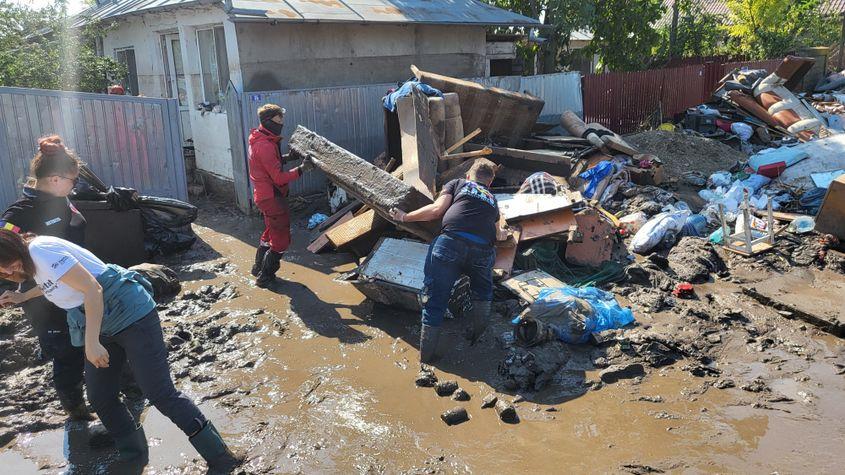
{"x":667,"y":127}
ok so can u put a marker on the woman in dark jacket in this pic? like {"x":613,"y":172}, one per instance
{"x":44,"y":209}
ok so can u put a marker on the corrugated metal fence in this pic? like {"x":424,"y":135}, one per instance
{"x":352,"y":117}
{"x":128,"y":141}
{"x":623,"y":102}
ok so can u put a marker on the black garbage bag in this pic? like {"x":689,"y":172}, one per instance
{"x":167,"y":224}
{"x":168,"y":211}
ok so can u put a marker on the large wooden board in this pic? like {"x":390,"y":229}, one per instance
{"x":529,"y":284}
{"x":356,"y":228}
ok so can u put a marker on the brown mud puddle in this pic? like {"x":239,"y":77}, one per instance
{"x":314,"y":378}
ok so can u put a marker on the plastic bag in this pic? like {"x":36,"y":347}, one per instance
{"x":595,"y":175}
{"x":575,"y":313}
{"x":167,"y":224}
{"x":802,"y":224}
{"x":633,"y":222}
{"x":168,"y":212}
{"x":812,"y":200}
{"x":720,"y":178}
{"x":316,"y":219}
{"x":653,"y":232}
{"x":695,"y":225}
{"x":717,"y":236}
{"x":742,"y":130}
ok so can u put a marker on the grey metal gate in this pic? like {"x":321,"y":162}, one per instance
{"x":128,"y":141}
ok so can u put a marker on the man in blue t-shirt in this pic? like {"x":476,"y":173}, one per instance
{"x":465,"y":245}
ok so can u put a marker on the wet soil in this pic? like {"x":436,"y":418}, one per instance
{"x":311,"y":377}
{"x":682,"y":153}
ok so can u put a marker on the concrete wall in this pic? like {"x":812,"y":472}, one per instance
{"x":300,"y":56}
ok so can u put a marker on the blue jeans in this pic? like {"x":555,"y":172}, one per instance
{"x":142,"y":344}
{"x":449,"y":258}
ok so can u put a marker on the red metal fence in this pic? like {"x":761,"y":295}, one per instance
{"x":623,"y":102}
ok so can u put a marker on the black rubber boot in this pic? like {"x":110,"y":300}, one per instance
{"x":259,"y":258}
{"x":98,"y":436}
{"x":429,"y":336}
{"x":215,"y":452}
{"x":269,"y":265}
{"x":73,"y":402}
{"x":133,"y":447}
{"x":479,"y":319}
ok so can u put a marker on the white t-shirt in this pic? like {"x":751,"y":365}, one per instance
{"x":53,"y":257}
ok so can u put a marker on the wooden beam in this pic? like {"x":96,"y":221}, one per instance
{"x":363,"y":180}
{"x":322,"y":240}
{"x":464,"y":140}
{"x":475,"y":153}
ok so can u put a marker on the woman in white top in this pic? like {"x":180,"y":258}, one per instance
{"x":110,"y":311}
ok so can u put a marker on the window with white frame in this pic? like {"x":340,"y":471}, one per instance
{"x":126,"y":57}
{"x":214,"y":64}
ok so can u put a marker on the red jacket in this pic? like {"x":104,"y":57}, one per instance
{"x":265,"y":166}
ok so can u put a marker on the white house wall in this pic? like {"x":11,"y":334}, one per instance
{"x":209,"y":130}
{"x":310,"y":55}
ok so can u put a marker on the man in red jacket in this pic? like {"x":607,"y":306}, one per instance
{"x":270,"y":191}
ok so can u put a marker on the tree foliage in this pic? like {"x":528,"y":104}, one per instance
{"x":563,"y":17}
{"x":698,"y":33}
{"x":623,"y":35}
{"x":773,"y":28}
{"x":39,"y":49}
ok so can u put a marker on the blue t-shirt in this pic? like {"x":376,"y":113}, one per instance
{"x":474,"y":210}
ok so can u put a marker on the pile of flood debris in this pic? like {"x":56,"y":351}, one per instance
{"x":595,"y":220}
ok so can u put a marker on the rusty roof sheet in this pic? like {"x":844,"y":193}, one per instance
{"x":462,"y":12}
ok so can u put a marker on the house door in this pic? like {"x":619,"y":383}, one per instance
{"x":176,"y":81}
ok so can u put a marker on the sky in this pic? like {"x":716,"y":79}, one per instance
{"x":73,"y":6}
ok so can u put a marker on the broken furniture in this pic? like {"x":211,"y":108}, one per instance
{"x":831,"y":216}
{"x":393,"y":274}
{"x":748,"y":241}
{"x":499,"y":113}
{"x":371,"y":185}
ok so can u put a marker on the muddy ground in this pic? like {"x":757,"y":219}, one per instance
{"x":313,"y":378}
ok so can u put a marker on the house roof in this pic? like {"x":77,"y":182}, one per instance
{"x":460,"y":12}
{"x":112,"y":9}
{"x":720,"y":8}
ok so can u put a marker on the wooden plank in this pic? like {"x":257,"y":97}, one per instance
{"x":544,"y":160}
{"x":350,"y":207}
{"x":529,"y":284}
{"x":420,"y":144}
{"x":537,"y":227}
{"x":464,"y":140}
{"x":359,"y":226}
{"x":322,"y":240}
{"x":472,"y":154}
